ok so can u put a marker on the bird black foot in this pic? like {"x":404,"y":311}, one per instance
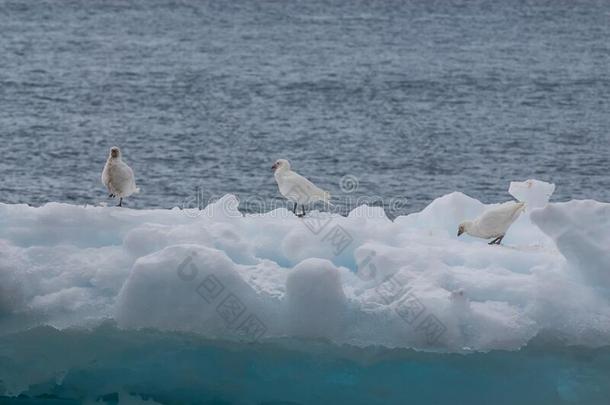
{"x":111,"y":195}
{"x":497,"y":241}
{"x":294,"y":211}
{"x":120,"y":202}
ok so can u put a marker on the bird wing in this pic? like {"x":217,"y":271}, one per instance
{"x":131,"y":176}
{"x":297,"y":187}
{"x":496,"y":221}
{"x":122,"y":178}
{"x":106,"y":175}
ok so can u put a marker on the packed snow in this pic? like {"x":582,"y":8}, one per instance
{"x":360,"y":280}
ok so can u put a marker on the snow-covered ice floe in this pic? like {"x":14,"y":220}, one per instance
{"x":361,"y":280}
{"x":113,"y":305}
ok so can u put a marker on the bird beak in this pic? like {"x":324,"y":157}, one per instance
{"x":460,"y":232}
{"x":274,"y":166}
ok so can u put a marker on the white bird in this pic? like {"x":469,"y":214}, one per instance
{"x":297,"y":188}
{"x":494,"y":222}
{"x":118,"y":177}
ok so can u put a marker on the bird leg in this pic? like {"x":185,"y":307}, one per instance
{"x":302,"y":212}
{"x":497,"y":240}
{"x":294,"y":210}
{"x":120,"y":202}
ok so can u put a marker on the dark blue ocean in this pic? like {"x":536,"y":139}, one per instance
{"x":414,"y":99}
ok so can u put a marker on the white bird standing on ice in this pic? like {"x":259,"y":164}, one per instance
{"x":494,"y":222}
{"x":297,"y":188}
{"x":118,"y":177}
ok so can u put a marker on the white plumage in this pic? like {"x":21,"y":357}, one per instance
{"x":494,"y":222}
{"x":118,"y":177}
{"x":296,"y":188}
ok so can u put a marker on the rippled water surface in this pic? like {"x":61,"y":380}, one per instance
{"x":415,"y":99}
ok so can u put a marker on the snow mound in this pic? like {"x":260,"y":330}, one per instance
{"x":315,"y":299}
{"x":361,"y":279}
{"x":580,"y":230}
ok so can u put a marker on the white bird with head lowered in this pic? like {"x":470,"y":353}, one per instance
{"x":493,"y":223}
